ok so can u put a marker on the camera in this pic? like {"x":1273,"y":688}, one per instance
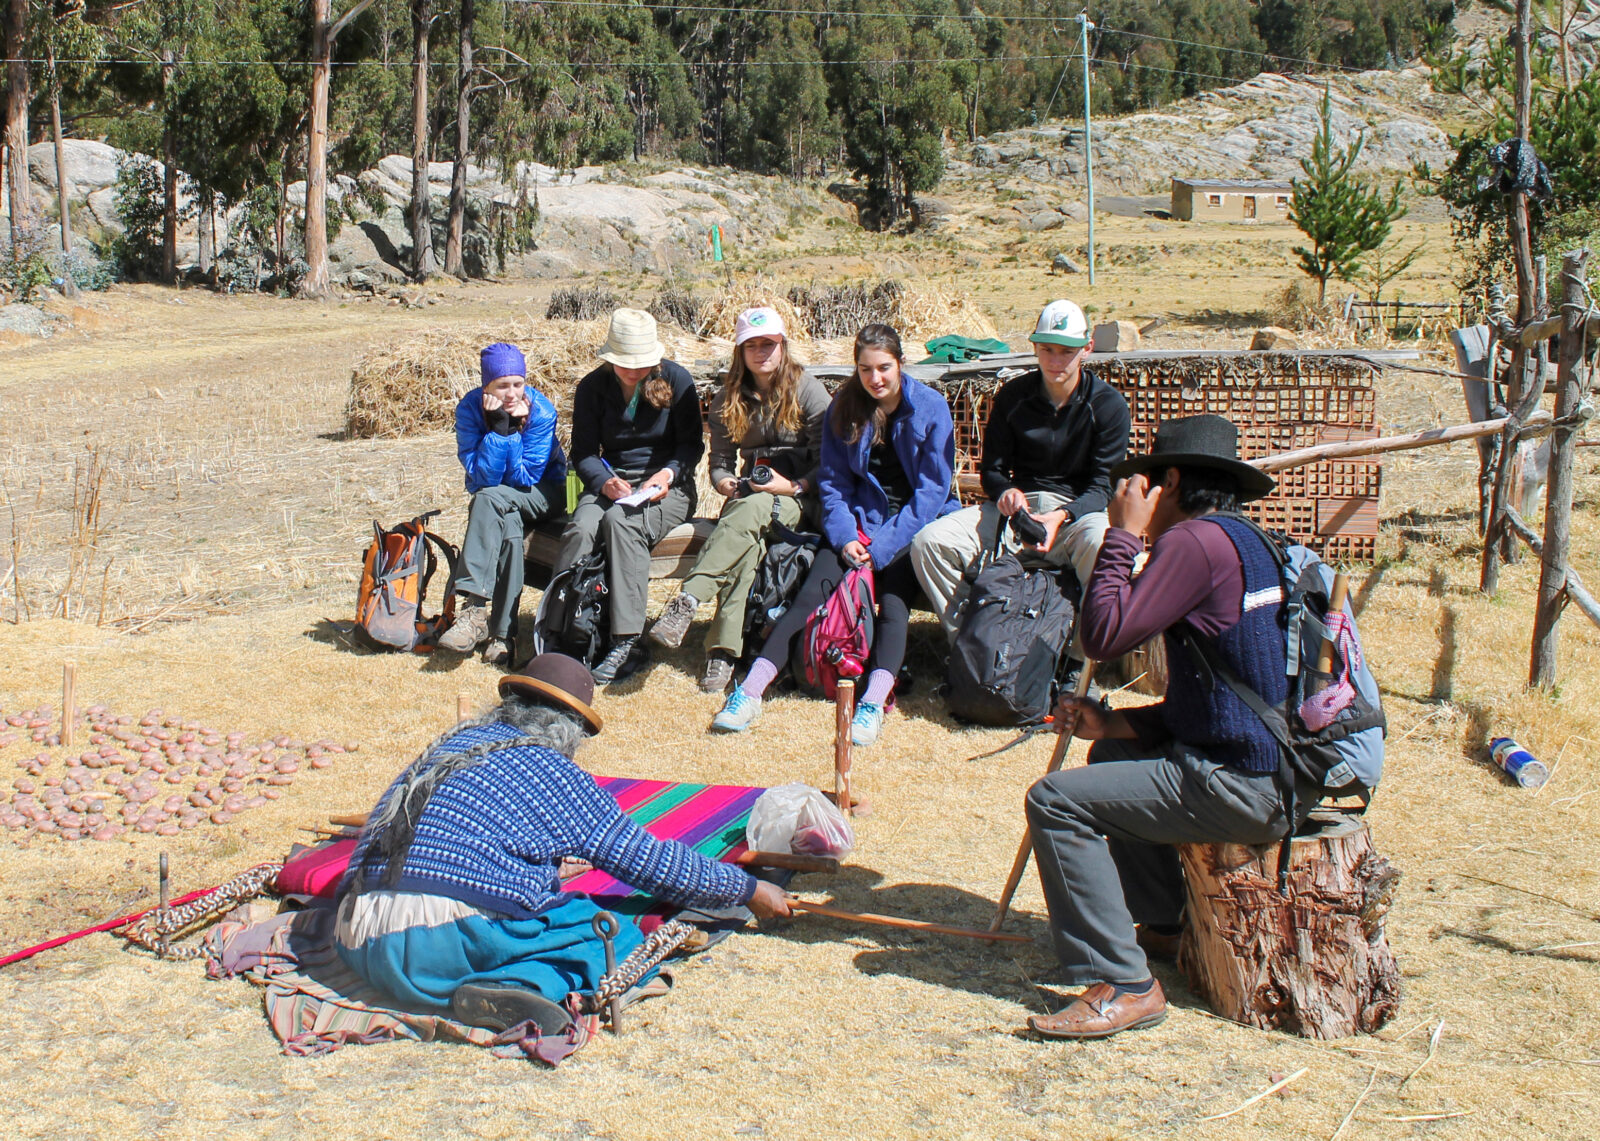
{"x":1027,"y":528}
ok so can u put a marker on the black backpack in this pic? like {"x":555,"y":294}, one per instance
{"x":574,"y":616}
{"x":1010,"y":648}
{"x":783,"y":567}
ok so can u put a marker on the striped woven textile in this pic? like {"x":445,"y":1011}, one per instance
{"x":709,"y":818}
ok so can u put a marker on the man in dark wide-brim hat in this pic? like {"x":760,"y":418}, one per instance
{"x":1199,"y":767}
{"x":453,"y":901}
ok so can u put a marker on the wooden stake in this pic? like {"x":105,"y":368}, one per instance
{"x":1336,"y":598}
{"x":789,"y":861}
{"x":463,"y":707}
{"x":844,"y":710}
{"x":1057,"y":758}
{"x":1554,"y":587}
{"x":905,"y":924}
{"x":69,"y":701}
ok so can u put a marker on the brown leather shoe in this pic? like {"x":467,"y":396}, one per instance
{"x":1099,"y":1013}
{"x":1157,"y":945}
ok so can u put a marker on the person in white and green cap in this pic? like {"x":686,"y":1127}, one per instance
{"x":1053,"y":435}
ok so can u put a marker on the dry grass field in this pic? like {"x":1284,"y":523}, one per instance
{"x":214,"y":581}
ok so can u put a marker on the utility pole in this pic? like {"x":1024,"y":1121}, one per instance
{"x":1084,"y":27}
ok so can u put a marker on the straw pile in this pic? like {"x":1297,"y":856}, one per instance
{"x":719,"y":314}
{"x":413,"y":385}
{"x":814,"y":312}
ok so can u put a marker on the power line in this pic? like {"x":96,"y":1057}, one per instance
{"x":556,"y":65}
{"x":1262,"y":55}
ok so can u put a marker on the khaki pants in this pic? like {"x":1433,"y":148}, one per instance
{"x":726,"y":568}
{"x":627,"y":533}
{"x":945,"y":548}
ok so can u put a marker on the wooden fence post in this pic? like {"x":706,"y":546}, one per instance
{"x":1572,"y":381}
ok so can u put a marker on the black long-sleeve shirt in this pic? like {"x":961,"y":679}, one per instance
{"x":672,"y":437}
{"x":1032,"y":445}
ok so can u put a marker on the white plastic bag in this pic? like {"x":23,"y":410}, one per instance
{"x":799,"y":819}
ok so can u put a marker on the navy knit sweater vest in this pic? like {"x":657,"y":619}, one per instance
{"x":1213,"y":718}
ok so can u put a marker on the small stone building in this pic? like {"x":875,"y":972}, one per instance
{"x":1225,"y":200}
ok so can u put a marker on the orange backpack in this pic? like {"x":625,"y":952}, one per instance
{"x":394,"y":581}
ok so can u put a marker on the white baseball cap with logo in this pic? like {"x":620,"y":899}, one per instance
{"x":1062,"y":323}
{"x":759,"y":322}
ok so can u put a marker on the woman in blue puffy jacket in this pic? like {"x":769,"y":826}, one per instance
{"x":888,"y":449}
{"x":516,"y":472}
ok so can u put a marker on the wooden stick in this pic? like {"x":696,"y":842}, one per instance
{"x":69,"y":699}
{"x":1336,"y":599}
{"x":1536,"y":423}
{"x":844,"y":709}
{"x":907,"y":924}
{"x":1057,"y":758}
{"x":349,"y":820}
{"x":463,"y":707}
{"x":790,"y":861}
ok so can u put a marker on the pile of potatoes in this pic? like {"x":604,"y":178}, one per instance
{"x":153,"y":773}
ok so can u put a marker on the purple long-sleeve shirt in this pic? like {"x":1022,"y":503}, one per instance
{"x":1193,"y":575}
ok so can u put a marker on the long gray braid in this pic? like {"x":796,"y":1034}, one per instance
{"x":393,"y":824}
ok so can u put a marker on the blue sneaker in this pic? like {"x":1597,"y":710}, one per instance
{"x":739,"y":713}
{"x":866,"y":724}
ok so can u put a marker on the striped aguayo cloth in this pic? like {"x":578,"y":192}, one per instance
{"x":709,"y":818}
{"x":315,"y":1004}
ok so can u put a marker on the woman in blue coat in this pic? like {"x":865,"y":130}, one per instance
{"x":516,"y":474}
{"x":888,"y":449}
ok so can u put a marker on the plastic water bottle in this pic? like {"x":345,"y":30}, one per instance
{"x":1518,"y":763}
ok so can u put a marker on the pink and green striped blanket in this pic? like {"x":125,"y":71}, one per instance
{"x":708,"y":818}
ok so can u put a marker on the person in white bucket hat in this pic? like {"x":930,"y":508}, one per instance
{"x":1052,"y":437}
{"x":635,"y":428}
{"x":766,"y":442}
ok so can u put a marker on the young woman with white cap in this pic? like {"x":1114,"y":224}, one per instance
{"x":888,"y":447}
{"x":766,"y":421}
{"x":635,"y":428}
{"x":1053,"y":435}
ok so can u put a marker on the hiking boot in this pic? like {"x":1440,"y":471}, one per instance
{"x":1100,"y":1012}
{"x":867,"y":724}
{"x":470,"y":629}
{"x":739,"y":713}
{"x":718,"y":672}
{"x":625,"y":657}
{"x":500,"y":1007}
{"x":674,"y":622}
{"x":497,"y":653}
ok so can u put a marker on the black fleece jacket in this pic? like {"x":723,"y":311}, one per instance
{"x":1031,"y":445}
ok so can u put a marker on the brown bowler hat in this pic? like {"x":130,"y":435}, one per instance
{"x":558,"y":679}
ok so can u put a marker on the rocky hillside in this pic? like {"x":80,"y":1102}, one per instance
{"x":1257,"y":129}
{"x":588,"y":218}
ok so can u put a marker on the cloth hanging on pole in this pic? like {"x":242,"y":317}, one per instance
{"x":1519,"y":168}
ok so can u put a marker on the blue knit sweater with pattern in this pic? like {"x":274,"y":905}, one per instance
{"x":493,"y":836}
{"x":1213,"y":717}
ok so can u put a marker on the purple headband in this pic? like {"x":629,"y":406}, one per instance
{"x":500,"y":359}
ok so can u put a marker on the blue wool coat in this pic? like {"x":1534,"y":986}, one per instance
{"x":521,"y":459}
{"x":923,"y":437}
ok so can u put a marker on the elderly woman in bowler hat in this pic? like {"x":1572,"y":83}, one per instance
{"x":453,"y":901}
{"x":635,"y":428}
{"x":766,"y":440}
{"x":516,"y":473}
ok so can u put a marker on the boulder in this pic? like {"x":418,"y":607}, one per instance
{"x":29,"y":320}
{"x":1042,"y":221}
{"x":1274,"y":337}
{"x":1074,"y":211}
{"x":931,"y":214}
{"x":1116,"y":337}
{"x":1061,"y":263}
{"x":90,"y":165}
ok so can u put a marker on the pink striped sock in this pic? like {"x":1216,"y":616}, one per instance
{"x":879,"y":685}
{"x":759,"y":677}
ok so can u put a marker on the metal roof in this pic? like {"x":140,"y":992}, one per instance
{"x":1232,"y":184}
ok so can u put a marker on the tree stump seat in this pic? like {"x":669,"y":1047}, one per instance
{"x":1316,"y":963}
{"x":672,"y":557}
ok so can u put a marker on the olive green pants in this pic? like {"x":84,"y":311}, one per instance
{"x":726,"y":568}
